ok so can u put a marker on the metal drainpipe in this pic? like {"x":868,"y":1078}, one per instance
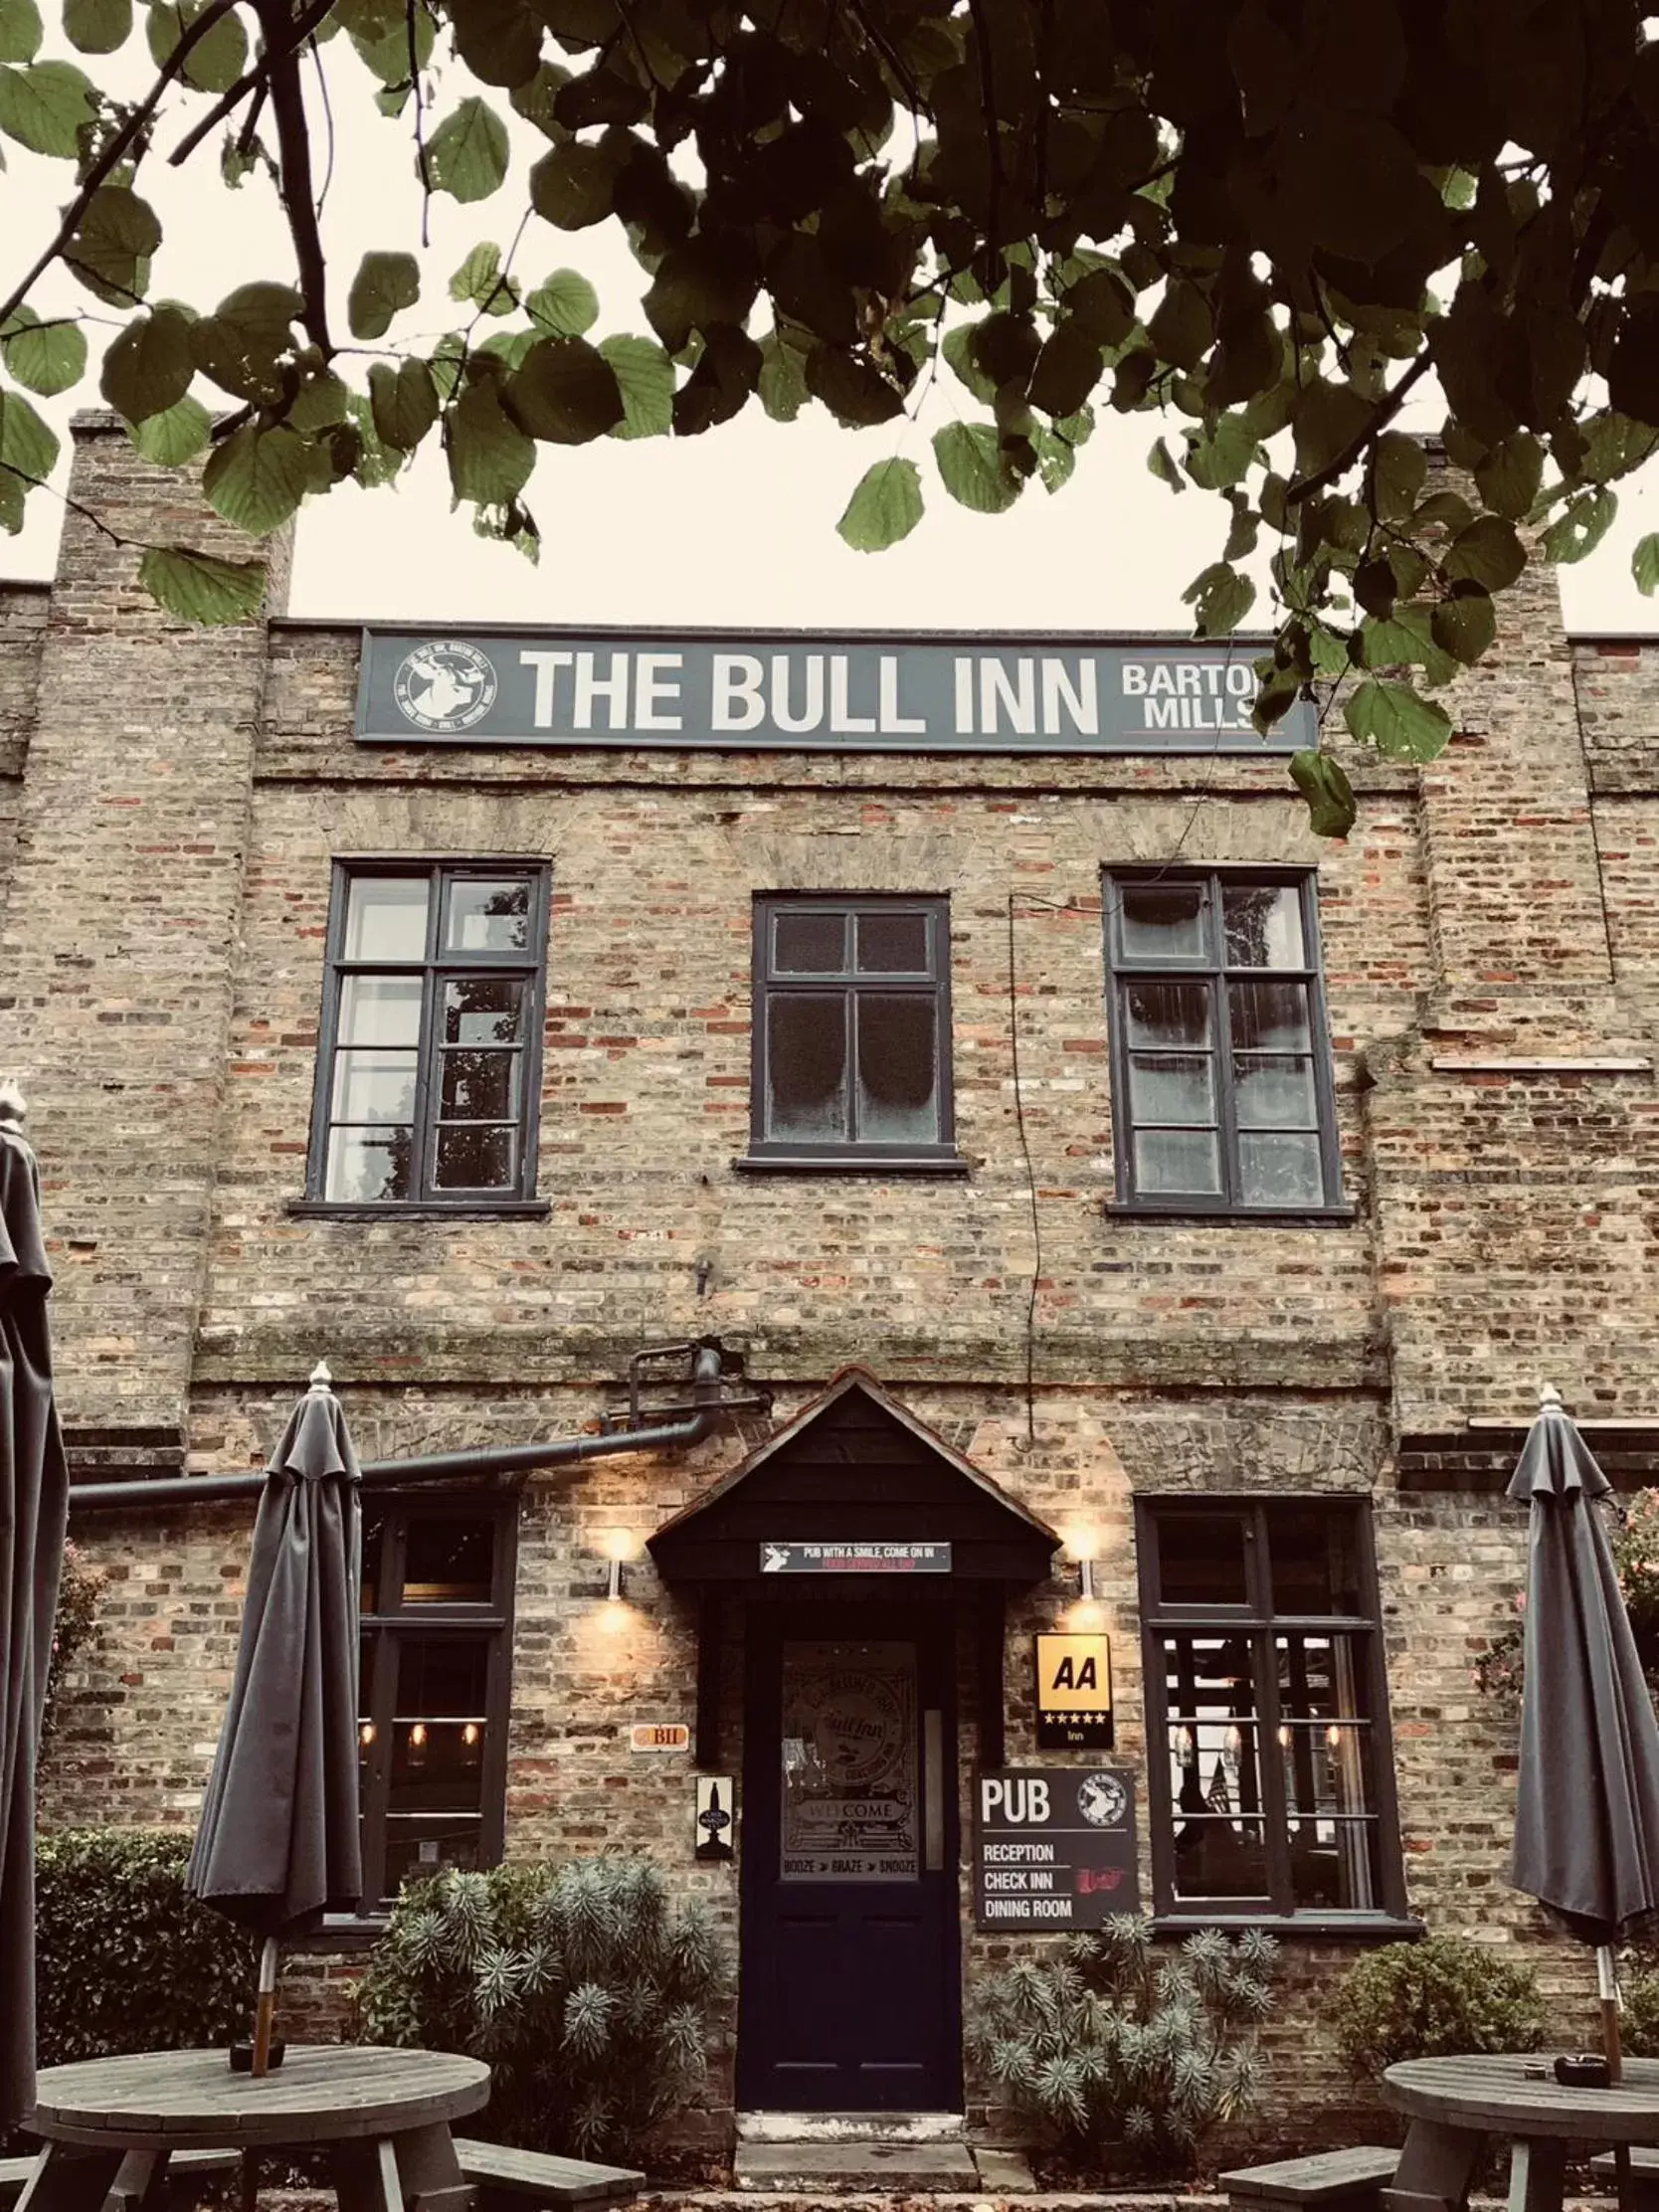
{"x":461,"y":1467}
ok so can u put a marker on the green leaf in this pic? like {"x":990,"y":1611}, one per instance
{"x":172,"y":439}
{"x":1465,"y":625}
{"x":98,"y":26}
{"x":1580,"y":526}
{"x":1068,"y":370}
{"x":1328,"y":419}
{"x":509,"y":346}
{"x":1486,"y":552}
{"x":1402,"y":639}
{"x":479,"y":279}
{"x":20,"y":30}
{"x":1324,"y":784}
{"x":467,"y":155}
{"x":385,"y":283}
{"x":27,"y":446}
{"x":258,"y":478}
{"x":885,"y":507}
{"x":853,"y":390}
{"x":1221,"y":598}
{"x":566,"y":305}
{"x":490,"y":458}
{"x":1223,"y":454}
{"x":1056,"y":458}
{"x":149,"y":365}
{"x":566,"y":392}
{"x":1399,"y":470}
{"x":1644,"y":565}
{"x":1161,"y":463}
{"x":45,"y":357}
{"x":46,"y":107}
{"x":956,"y":346}
{"x":385,"y":52}
{"x":1509,"y":474}
{"x":322,"y":404}
{"x":573,"y":186}
{"x":971,"y":467}
{"x":783,"y":378}
{"x":403,"y":403}
{"x":1400,"y":722}
{"x":645,"y":378}
{"x":200,"y":588}
{"x":216,"y":62}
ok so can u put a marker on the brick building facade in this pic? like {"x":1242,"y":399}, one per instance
{"x":1295,"y":1396}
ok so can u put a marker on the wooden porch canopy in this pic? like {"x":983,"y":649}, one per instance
{"x":855,"y":1466}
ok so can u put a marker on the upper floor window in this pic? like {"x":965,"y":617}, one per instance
{"x":433,"y":1686}
{"x":852,"y":1027}
{"x":1271,"y":1780}
{"x":428,"y":1057}
{"x":1220,"y":1059}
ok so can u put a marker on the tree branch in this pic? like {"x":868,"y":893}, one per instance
{"x":1306,"y":486}
{"x":245,"y":83}
{"x":294,"y":153}
{"x":118,"y":149}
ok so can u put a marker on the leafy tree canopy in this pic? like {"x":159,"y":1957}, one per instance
{"x":1270,"y":219}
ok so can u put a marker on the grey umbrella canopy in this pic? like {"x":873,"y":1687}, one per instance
{"x":279,"y":1840}
{"x":34,"y":1508}
{"x":1587,"y":1821}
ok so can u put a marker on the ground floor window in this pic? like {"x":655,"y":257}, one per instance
{"x":1270,"y":1769}
{"x":435,"y":1680}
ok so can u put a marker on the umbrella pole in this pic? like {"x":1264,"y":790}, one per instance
{"x":1606,"y":1989}
{"x":265,"y":2010}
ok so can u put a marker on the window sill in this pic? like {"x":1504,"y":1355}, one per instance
{"x":852,"y":1163}
{"x":424,"y":1210}
{"x":1298,"y":1216}
{"x":1323,"y":1928}
{"x":344,"y":1931}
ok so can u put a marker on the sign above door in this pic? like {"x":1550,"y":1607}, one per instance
{"x":855,"y":1558}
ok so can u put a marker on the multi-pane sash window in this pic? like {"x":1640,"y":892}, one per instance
{"x":433,"y":1693}
{"x":428,"y":1058}
{"x":852,"y":1030}
{"x":1221,"y":1068}
{"x":1272,"y":1783}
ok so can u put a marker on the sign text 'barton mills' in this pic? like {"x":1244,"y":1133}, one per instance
{"x":1004,"y":695}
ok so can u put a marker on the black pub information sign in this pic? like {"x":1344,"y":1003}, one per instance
{"x":1053,"y":1847}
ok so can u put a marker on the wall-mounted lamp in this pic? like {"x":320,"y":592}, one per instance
{"x":619,"y":1548}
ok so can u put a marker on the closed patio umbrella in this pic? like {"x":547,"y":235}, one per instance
{"x":1587,"y":1819}
{"x":277,"y":1843}
{"x":34,"y":1506}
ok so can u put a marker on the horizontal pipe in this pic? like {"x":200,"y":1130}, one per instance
{"x":459,"y":1466}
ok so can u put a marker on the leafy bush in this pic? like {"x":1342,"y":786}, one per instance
{"x":584,"y":1986}
{"x":74,"y":1628}
{"x":1121,"y":2056}
{"x":124,"y":1959}
{"x":1431,"y":2000}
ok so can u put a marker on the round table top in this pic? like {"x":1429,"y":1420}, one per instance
{"x":1520,"y":2095}
{"x":320,"y":2093}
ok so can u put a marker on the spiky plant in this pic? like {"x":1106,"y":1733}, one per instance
{"x":1122,"y":2056}
{"x":584,"y":1986}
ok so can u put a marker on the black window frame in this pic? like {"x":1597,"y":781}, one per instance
{"x":434,"y":968}
{"x":1260,"y":1623}
{"x":394,"y":1620}
{"x":1214,"y":971}
{"x":765,"y":1152}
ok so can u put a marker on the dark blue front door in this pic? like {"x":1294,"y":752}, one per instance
{"x":851,"y":1995}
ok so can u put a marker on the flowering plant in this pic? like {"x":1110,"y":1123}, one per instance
{"x":1498,"y":1669}
{"x":1636,"y":1555}
{"x":74,"y":1628}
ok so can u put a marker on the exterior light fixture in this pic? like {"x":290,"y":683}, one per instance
{"x":365,"y":1734}
{"x":1082,"y":1548}
{"x":618,"y":1546}
{"x":417,"y":1735}
{"x":469,"y":1733}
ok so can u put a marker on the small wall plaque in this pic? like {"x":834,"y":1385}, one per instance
{"x":659,"y":1735}
{"x":715,"y":1799}
{"x":1074,"y":1693}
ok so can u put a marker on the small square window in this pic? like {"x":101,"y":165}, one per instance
{"x":852,"y":1032}
{"x":427,"y":1074}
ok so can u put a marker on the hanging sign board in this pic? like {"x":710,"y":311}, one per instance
{"x":1074,"y":1693}
{"x":1053,"y":1847}
{"x":715,"y":1798}
{"x":855,"y":1558}
{"x":806,"y":692}
{"x":659,"y":1735}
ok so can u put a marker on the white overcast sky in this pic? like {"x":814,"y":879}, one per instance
{"x":736,"y":527}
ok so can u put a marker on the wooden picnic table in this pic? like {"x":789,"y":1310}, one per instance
{"x":1454,"y":2104}
{"x":383,"y":2116}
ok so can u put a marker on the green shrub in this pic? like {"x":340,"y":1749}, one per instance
{"x":1638,"y":2023}
{"x":124,"y":1959}
{"x":584,"y":1986}
{"x":75,"y":1629}
{"x":1432,"y":1999}
{"x":1124,"y":2057}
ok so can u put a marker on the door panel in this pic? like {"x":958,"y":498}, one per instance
{"x":851,"y":1995}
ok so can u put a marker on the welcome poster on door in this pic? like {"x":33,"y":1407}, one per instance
{"x":852,"y":1809}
